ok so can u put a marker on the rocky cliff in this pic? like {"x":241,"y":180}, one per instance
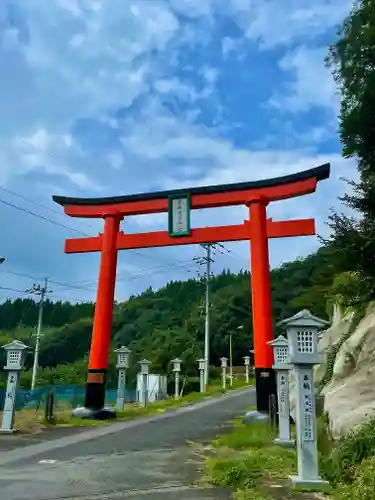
{"x":349,"y":397}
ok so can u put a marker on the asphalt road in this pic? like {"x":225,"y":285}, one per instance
{"x":147,"y":458}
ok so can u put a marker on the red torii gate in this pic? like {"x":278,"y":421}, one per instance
{"x":256,"y":195}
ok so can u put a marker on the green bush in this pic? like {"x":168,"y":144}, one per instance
{"x":342,"y":464}
{"x":233,"y":472}
{"x":363,"y":485}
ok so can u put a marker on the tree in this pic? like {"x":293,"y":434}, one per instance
{"x":352,"y":59}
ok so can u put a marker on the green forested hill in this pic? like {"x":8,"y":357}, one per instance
{"x":169,"y":322}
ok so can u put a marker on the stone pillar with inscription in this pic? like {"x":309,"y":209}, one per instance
{"x":201,"y":368}
{"x":247,"y":366}
{"x":16,"y":352}
{"x":282,"y":367}
{"x":123,"y":354}
{"x":302,"y":332}
{"x":145,"y":370}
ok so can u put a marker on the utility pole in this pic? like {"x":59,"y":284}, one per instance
{"x":207,"y":260}
{"x":41,"y":291}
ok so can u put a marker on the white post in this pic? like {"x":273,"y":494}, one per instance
{"x":176,"y":370}
{"x":230,"y":361}
{"x":145,"y":389}
{"x":15,"y":358}
{"x":224,"y":362}
{"x":177,"y":386}
{"x":302,"y":331}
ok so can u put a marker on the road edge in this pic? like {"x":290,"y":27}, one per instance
{"x":62,"y":442}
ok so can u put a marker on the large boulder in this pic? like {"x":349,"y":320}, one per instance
{"x":350,"y":395}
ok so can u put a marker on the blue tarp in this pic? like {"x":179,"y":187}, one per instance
{"x":71,"y":395}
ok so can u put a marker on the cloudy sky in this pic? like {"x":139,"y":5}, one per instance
{"x":112,"y":97}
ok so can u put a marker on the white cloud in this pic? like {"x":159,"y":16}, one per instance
{"x":311,"y":84}
{"x":273,"y":23}
{"x":229,"y":45}
{"x":68,"y":60}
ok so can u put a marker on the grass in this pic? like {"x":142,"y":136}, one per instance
{"x":247,"y":461}
{"x":29,"y":420}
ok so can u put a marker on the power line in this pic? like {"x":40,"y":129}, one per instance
{"x":84,"y":285}
{"x":39,"y":216}
{"x":29,"y":200}
{"x":70,"y":228}
{"x":37,"y":148}
{"x":15,"y":290}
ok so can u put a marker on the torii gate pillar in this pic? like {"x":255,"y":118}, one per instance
{"x":262,"y":304}
{"x":101,"y":334}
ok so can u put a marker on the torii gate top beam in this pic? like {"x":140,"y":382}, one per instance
{"x":279,"y":188}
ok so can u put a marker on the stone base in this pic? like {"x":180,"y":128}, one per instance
{"x":8,"y":431}
{"x":255,"y":417}
{"x":309,"y":484}
{"x":94,"y":414}
{"x":287,"y":443}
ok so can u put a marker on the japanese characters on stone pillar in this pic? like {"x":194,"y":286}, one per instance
{"x":145,"y":365}
{"x":224,"y":364}
{"x":282,"y":367}
{"x":247,"y":366}
{"x":201,"y":368}
{"x":302,"y":332}
{"x":123,"y":354}
{"x":176,"y":370}
{"x":15,"y":352}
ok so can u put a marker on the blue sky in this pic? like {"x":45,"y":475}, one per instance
{"x":108,"y":97}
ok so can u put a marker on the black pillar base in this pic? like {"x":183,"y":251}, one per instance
{"x":91,"y":414}
{"x":265,"y":382}
{"x":95,"y":398}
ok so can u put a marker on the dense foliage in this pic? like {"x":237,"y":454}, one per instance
{"x":352,"y":59}
{"x":169,"y":322}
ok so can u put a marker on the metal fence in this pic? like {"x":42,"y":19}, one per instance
{"x":65,"y":396}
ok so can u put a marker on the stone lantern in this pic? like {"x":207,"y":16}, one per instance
{"x":145,"y":368}
{"x":302,"y":332}
{"x":247,"y":366}
{"x":282,"y":368}
{"x":16,"y":354}
{"x":224,"y":364}
{"x":201,"y":368}
{"x":123,"y":354}
{"x":176,"y":370}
